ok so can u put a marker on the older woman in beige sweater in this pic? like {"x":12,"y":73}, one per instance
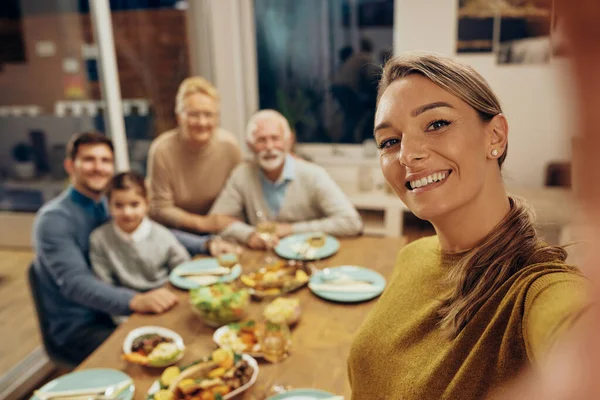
{"x":189,"y":165}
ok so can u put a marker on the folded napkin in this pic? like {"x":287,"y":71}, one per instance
{"x":346,"y":287}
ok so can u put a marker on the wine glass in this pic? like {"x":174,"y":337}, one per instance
{"x":266,"y":229}
{"x":275,"y":341}
{"x":226,"y":259}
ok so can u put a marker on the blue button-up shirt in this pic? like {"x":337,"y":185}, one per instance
{"x":97,"y":210}
{"x":274,"y":192}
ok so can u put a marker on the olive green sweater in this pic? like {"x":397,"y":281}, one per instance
{"x":400,"y":352}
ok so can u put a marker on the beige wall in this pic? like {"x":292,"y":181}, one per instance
{"x":535,"y":98}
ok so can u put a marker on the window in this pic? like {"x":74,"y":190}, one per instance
{"x":319,"y":63}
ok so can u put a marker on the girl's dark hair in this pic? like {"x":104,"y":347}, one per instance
{"x":127,"y":180}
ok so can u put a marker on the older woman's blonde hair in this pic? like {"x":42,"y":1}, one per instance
{"x":268,"y":114}
{"x":193,"y":85}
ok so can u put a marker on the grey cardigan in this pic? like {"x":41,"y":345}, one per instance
{"x":141,"y":265}
{"x":313,"y":203}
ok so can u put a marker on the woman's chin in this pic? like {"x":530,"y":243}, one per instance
{"x":199,"y":139}
{"x":427,"y":212}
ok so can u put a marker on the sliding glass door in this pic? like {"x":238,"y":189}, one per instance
{"x":319,"y":62}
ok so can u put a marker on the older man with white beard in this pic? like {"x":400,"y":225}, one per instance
{"x":297,"y":195}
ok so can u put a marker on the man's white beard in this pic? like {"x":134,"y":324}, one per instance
{"x":271,"y":163}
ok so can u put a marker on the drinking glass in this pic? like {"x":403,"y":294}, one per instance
{"x":226,"y":257}
{"x":275,"y":340}
{"x":266,"y":229}
{"x":228,"y":260}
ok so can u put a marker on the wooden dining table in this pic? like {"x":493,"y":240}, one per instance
{"x":320,"y":340}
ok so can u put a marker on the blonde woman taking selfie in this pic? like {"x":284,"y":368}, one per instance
{"x":466,"y":310}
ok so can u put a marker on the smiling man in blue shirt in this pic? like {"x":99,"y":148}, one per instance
{"x":75,"y":302}
{"x":296,"y":195}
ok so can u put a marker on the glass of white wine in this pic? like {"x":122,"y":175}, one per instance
{"x":275,"y":340}
{"x":266,"y":229}
{"x":226,"y":259}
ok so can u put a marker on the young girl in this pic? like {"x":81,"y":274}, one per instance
{"x":131,"y":250}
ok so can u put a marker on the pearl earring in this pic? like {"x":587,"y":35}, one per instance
{"x":495,"y":153}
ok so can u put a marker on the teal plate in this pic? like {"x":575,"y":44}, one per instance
{"x":201,"y":264}
{"x":287,"y":247}
{"x":89,"y":378}
{"x":302,"y":394}
{"x":353,"y":272}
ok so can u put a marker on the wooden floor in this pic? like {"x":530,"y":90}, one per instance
{"x":18,"y":322}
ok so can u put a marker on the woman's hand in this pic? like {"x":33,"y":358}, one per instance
{"x":257,"y":242}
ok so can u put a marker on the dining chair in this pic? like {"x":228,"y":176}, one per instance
{"x":52,"y":350}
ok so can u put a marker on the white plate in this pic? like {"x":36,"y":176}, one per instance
{"x":159,"y":330}
{"x":251,"y":361}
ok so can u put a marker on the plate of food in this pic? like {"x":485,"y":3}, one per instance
{"x":219,"y":304}
{"x":240,"y":337}
{"x":276,"y":278}
{"x":88,"y":383}
{"x":244,"y":336}
{"x":347,"y":284}
{"x":307,"y":246}
{"x":223,"y":375}
{"x":202,"y":272}
{"x":153,"y":346}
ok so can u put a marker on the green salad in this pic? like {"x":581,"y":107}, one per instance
{"x":219,"y":304}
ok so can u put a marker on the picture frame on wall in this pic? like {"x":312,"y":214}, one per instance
{"x":514,"y":31}
{"x":475,"y":33}
{"x":525,"y":33}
